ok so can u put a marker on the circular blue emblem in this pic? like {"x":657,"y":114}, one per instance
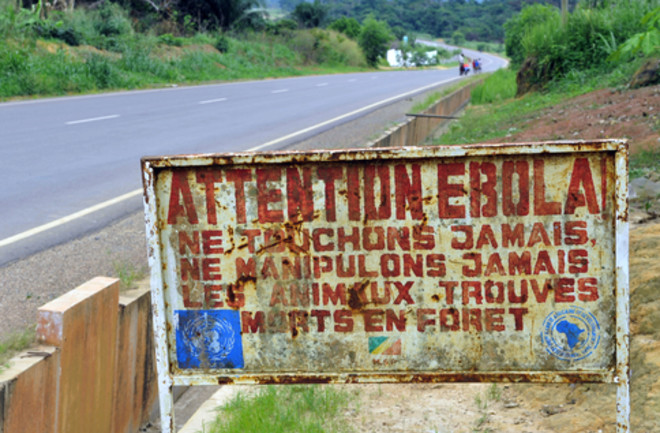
{"x":571,"y":334}
{"x":209,"y":336}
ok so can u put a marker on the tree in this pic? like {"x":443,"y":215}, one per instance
{"x":225,"y":14}
{"x":310,"y":15}
{"x":458,"y":38}
{"x":348,"y":26}
{"x":520,"y":25}
{"x":373,"y":40}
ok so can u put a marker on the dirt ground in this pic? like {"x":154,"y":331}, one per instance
{"x":457,"y":408}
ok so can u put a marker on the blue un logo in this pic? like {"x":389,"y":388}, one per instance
{"x":208,"y":339}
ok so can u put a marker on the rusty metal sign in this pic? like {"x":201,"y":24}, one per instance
{"x":466,"y":263}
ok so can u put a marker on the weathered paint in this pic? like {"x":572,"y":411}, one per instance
{"x":465,"y":263}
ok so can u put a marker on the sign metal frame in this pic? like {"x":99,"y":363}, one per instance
{"x":619,"y":374}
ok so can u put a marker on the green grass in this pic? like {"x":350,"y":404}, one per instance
{"x":504,"y":116}
{"x":15,"y":343}
{"x":499,"y":86}
{"x":285,"y":409}
{"x":644,"y":162}
{"x":88,"y":51}
{"x":435,"y":96}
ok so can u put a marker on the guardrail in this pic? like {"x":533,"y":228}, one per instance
{"x":416,"y":131}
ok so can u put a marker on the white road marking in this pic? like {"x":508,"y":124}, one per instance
{"x":68,"y":218}
{"x":321,"y":84}
{"x":352,"y":80}
{"x":211,"y":101}
{"x":280,"y":91}
{"x":352,"y":113}
{"x":58,"y":222}
{"x":92,"y":119}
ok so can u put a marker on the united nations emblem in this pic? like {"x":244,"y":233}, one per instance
{"x":571,"y":334}
{"x":208,"y":339}
{"x":211,"y":336}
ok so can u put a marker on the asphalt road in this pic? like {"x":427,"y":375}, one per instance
{"x":71,"y":165}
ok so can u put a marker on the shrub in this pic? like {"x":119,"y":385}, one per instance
{"x":222,"y":44}
{"x":169,"y":39}
{"x":326,"y":47}
{"x":348,"y":26}
{"x":112,"y":20}
{"x":373,"y":40}
{"x":458,"y":38}
{"x":498,"y":87}
{"x":58,"y":30}
{"x":553,"y":49}
{"x":517,"y":28}
{"x":310,"y":15}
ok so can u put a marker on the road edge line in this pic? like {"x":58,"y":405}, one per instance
{"x":60,"y":221}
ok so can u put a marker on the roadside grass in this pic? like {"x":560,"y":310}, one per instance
{"x":492,"y":395}
{"x":54,"y":68}
{"x":285,"y":409}
{"x":15,"y":343}
{"x":128,"y":274}
{"x":644,"y":163}
{"x":435,"y":96}
{"x":503,"y":116}
{"x":499,"y":86}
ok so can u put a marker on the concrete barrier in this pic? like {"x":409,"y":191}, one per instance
{"x":416,"y":130}
{"x":94,"y":371}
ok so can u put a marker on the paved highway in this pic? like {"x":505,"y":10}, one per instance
{"x":71,"y":165}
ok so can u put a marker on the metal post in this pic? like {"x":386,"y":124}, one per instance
{"x":165,"y":381}
{"x":622,"y":375}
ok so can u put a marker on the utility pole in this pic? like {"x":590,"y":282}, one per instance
{"x":564,"y":11}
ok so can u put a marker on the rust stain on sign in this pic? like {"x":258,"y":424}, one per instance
{"x":423,"y":264}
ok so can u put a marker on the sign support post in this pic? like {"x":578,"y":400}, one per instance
{"x":623,"y":294}
{"x":165,"y":382}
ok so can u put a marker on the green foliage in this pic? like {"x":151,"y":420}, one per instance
{"x":128,"y":274}
{"x":171,"y":40}
{"x":646,"y":42}
{"x":477,"y":20}
{"x":224,"y":14}
{"x":112,"y":20}
{"x":49,"y":29}
{"x":458,"y":38}
{"x":499,"y":119}
{"x":373,"y":39}
{"x":14,"y":21}
{"x":517,"y":28}
{"x":498,"y":87}
{"x":585,"y":41}
{"x":222,"y":44}
{"x":310,"y":15}
{"x":644,"y":162}
{"x":326,"y":47}
{"x":285,"y":409}
{"x":348,"y":26}
{"x":282,"y":27}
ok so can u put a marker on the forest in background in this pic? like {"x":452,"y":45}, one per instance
{"x":475,"y":20}
{"x":70,"y":47}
